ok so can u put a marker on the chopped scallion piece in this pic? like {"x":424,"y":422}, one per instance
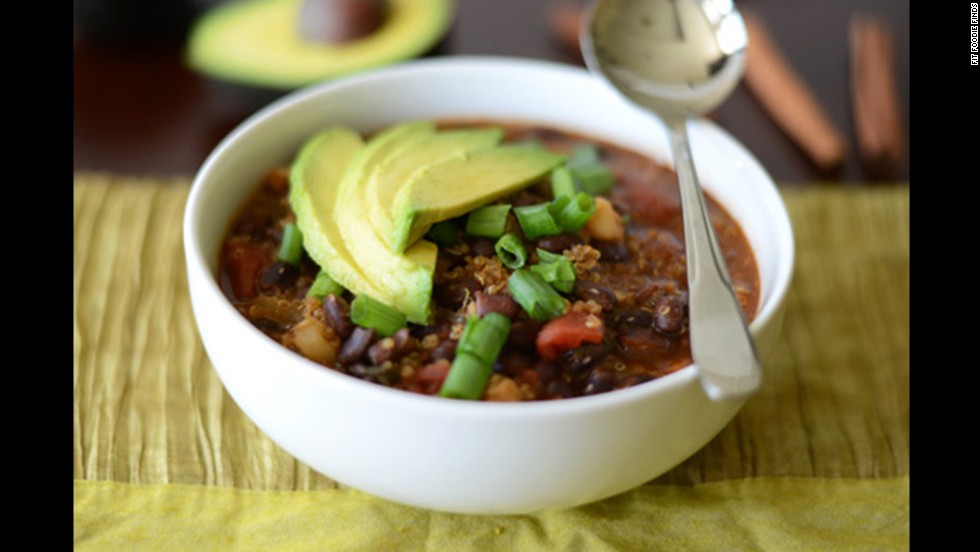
{"x":576,"y":212}
{"x":488,"y":222}
{"x":510,"y":250}
{"x":589,"y":174}
{"x":555,"y":269}
{"x":485,"y":337}
{"x":594,"y":179}
{"x":562,"y":183}
{"x":367,"y":312}
{"x":536,"y":221}
{"x":477,"y":351}
{"x":444,"y":234}
{"x":537,"y":297}
{"x":545,"y":256}
{"x":324,"y":285}
{"x":291,"y":248}
{"x":467,"y":378}
{"x":584,"y":154}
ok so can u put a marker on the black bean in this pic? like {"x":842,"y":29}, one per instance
{"x":499,"y":302}
{"x":279,"y":275}
{"x":336,"y":312}
{"x":381,"y":351}
{"x":270,"y":327}
{"x":524,"y":334}
{"x":668,"y":314}
{"x":612,"y":252}
{"x":600,"y":294}
{"x":482,"y":247}
{"x":637,"y":341}
{"x":453,"y":294}
{"x":355,"y":346}
{"x":577,"y":361}
{"x":600,"y":380}
{"x":404,"y":343}
{"x":558,"y":243}
{"x":513,"y":362}
{"x":547,"y":371}
{"x":558,"y":389}
{"x":635,"y":319}
{"x":445,"y":350}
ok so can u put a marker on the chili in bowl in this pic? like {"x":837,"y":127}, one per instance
{"x":552,"y":335}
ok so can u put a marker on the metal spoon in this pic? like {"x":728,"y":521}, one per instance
{"x":679,"y":59}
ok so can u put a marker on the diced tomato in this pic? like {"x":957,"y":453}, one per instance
{"x":567,"y":332}
{"x":242,"y":263}
{"x":428,"y":379}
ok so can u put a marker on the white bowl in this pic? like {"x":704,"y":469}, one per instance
{"x":467,"y":456}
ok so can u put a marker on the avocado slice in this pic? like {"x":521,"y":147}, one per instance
{"x":314,"y":182}
{"x":389,"y":176}
{"x":259,"y":43}
{"x":462,"y":183}
{"x":402,"y":280}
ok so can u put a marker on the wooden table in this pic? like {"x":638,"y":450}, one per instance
{"x":139,"y":110}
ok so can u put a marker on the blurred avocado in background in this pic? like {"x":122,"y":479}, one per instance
{"x":287,"y":44}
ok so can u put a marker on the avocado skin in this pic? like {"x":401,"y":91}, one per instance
{"x":463,"y":183}
{"x":259,"y":43}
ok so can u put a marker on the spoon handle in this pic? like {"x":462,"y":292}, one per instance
{"x":721,"y":345}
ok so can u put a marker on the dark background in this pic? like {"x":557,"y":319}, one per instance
{"x":138,"y":110}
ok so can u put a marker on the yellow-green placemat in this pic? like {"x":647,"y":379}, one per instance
{"x":149,"y":410}
{"x":785,"y":514}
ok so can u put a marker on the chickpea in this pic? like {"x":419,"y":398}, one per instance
{"x":606,"y":224}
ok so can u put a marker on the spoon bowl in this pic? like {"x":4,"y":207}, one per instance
{"x":679,"y":59}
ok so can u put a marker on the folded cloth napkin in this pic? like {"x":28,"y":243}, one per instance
{"x":164,"y":459}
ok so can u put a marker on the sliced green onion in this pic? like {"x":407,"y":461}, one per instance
{"x":444,"y":234}
{"x":584,"y":154}
{"x":368,"y":312}
{"x":562,"y":183}
{"x":557,"y":204}
{"x":510,"y":250}
{"x":545,"y":256}
{"x":477,"y":351}
{"x":589,"y":174}
{"x":594,"y":179}
{"x":291,"y":248}
{"x":536,"y":296}
{"x":467,"y":378}
{"x":324,"y":285}
{"x":576,"y":212}
{"x":488,"y":222}
{"x":536,"y":221}
{"x":485,"y":337}
{"x":555,"y":269}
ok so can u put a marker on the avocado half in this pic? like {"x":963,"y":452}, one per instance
{"x":258,"y":42}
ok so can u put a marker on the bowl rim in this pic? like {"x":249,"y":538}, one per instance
{"x":200,"y":267}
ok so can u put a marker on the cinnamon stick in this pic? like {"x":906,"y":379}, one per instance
{"x":564,"y":20}
{"x":874,"y":93}
{"x":787,"y":98}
